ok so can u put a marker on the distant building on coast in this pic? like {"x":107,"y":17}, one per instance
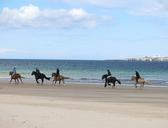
{"x":149,"y":58}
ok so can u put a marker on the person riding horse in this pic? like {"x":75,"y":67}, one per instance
{"x":16,"y":76}
{"x":14,"y":71}
{"x":108,"y":72}
{"x":57,"y":72}
{"x":137,"y":76}
{"x":37,"y":70}
{"x":108,"y":75}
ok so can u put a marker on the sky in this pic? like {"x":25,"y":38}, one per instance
{"x":83,"y":29}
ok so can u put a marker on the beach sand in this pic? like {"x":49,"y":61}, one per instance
{"x":82,"y":106}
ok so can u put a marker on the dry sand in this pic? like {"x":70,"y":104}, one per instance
{"x":82,"y":106}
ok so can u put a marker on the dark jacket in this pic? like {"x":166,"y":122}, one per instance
{"x":58,"y":72}
{"x":137,"y":75}
{"x":108,"y":72}
{"x":37,"y":70}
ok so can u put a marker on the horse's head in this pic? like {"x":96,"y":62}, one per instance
{"x":10,"y":73}
{"x":104,"y":76}
{"x":133,"y":78}
{"x":53,"y":74}
{"x":33,"y":73}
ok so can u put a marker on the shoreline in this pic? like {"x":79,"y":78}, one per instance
{"x":86,"y":82}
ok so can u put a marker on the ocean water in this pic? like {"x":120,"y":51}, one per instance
{"x":88,"y":71}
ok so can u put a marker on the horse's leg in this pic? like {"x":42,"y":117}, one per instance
{"x":113,"y":85}
{"x":142,"y":85}
{"x":136,"y":85}
{"x":17,"y":81}
{"x":21,"y":80}
{"x":37,"y":81}
{"x":63,"y":81}
{"x":54,"y":82}
{"x":108,"y":82}
{"x":105,"y":84}
{"x":42,"y":80}
{"x":59,"y":81}
{"x":10,"y":81}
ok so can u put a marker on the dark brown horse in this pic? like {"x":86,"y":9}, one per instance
{"x":58,"y":78}
{"x":16,"y":77}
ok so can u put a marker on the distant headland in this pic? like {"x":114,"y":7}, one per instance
{"x":150,"y":58}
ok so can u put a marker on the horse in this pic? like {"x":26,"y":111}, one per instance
{"x":140,"y":81}
{"x":39,"y":76}
{"x":16,"y":77}
{"x":58,"y":78}
{"x":110,"y":79}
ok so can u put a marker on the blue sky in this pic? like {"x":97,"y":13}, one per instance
{"x":83,"y":29}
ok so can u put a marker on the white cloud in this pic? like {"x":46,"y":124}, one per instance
{"x":33,"y":16}
{"x":138,"y":7}
{"x":78,"y":13}
{"x":4,"y":50}
{"x":151,"y":8}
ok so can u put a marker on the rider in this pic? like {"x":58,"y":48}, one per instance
{"x":57,"y":72}
{"x":14,"y":71}
{"x":137,"y":76}
{"x":109,"y":75}
{"x":37,"y":70}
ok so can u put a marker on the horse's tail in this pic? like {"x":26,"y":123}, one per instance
{"x":48,"y":78}
{"x":147,"y":82}
{"x":66,"y":77}
{"x":118,"y":81}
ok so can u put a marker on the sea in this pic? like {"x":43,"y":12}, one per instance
{"x":89,"y":71}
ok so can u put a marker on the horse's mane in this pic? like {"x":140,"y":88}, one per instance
{"x":104,"y":76}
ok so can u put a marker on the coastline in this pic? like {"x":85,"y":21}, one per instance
{"x":82,"y":105}
{"x":99,"y":82}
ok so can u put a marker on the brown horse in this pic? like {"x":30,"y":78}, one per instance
{"x":141,"y":81}
{"x":16,"y":77}
{"x":58,"y":78}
